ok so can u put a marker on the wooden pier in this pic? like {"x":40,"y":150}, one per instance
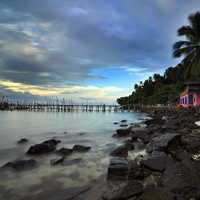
{"x":59,"y":107}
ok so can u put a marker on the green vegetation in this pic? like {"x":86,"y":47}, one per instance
{"x":166,"y":89}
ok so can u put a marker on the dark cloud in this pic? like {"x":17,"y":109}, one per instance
{"x":50,"y":42}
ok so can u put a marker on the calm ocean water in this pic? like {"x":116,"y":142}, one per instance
{"x":93,"y":129}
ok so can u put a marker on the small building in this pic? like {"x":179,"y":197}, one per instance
{"x":191,"y":96}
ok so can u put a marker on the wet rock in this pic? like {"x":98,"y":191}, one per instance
{"x":141,"y":133}
{"x":123,"y":121}
{"x":154,"y":121}
{"x":45,"y":147}
{"x":81,"y":148}
{"x":163,"y":142}
{"x":121,"y":151}
{"x":118,"y":169}
{"x":182,"y":178}
{"x":129,"y":145}
{"x":65,"y":151}
{"x":123,"y":191}
{"x":22,"y":141}
{"x":123,"y":125}
{"x":57,"y":161}
{"x":72,"y":161}
{"x":52,"y":142}
{"x":155,"y":163}
{"x":191,"y":142}
{"x":41,"y":149}
{"x":157,"y":193}
{"x":20,"y":164}
{"x":122,"y":133}
{"x":135,"y":171}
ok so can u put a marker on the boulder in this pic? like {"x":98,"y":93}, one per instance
{"x":52,"y":142}
{"x":123,"y":125}
{"x":156,"y":193}
{"x":164,"y":142}
{"x":122,"y":132}
{"x":72,"y":161}
{"x":65,"y":151}
{"x":81,"y":148}
{"x":41,"y":149}
{"x":129,"y":145}
{"x":20,"y":164}
{"x":118,"y":169}
{"x":182,"y":178}
{"x":45,"y":147}
{"x":123,"y":191}
{"x":57,"y":161}
{"x":155,"y":120}
{"x":123,"y":121}
{"x":191,"y":142}
{"x":121,"y":151}
{"x":155,"y":163}
{"x":141,"y":133}
{"x":135,"y":171}
{"x":22,"y":141}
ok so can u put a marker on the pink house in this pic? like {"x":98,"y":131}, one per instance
{"x":191,"y":95}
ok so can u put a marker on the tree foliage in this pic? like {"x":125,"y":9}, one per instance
{"x":166,"y":89}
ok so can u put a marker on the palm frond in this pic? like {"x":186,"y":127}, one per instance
{"x":186,"y":31}
{"x":194,"y":20}
{"x":182,"y":51}
{"x":179,"y":44}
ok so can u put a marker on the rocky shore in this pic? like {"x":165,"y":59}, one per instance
{"x":170,"y":169}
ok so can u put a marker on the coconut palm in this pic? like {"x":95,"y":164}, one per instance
{"x":190,"y":47}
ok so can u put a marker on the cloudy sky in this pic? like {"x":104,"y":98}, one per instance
{"x":86,"y":49}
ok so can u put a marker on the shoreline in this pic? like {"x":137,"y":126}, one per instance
{"x":170,"y":169}
{"x":165,"y":167}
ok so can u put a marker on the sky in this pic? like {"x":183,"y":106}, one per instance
{"x":86,"y":50}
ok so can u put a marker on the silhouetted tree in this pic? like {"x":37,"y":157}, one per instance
{"x":190,"y":47}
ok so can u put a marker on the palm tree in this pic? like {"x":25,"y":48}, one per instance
{"x":190,"y":47}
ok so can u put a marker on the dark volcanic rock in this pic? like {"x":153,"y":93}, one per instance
{"x":20,"y":164}
{"x":141,"y":133}
{"x":135,"y":171}
{"x":45,"y":147}
{"x":81,"y":148}
{"x":191,"y":142}
{"x":124,"y":120}
{"x":182,"y":178}
{"x":123,"y":125}
{"x":57,"y":161}
{"x":154,"y":121}
{"x":72,"y":161}
{"x":52,"y":142}
{"x":120,"y":152}
{"x":41,"y":149}
{"x":163,"y":142}
{"x":122,"y":132}
{"x":156,"y":193}
{"x":118,"y":169}
{"x":65,"y":151}
{"x":123,"y":191}
{"x":22,"y":141}
{"x":129,"y":145}
{"x":155,"y":163}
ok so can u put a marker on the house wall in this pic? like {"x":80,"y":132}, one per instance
{"x":196,"y":99}
{"x":184,"y":101}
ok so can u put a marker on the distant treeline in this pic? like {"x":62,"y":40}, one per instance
{"x":166,"y":89}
